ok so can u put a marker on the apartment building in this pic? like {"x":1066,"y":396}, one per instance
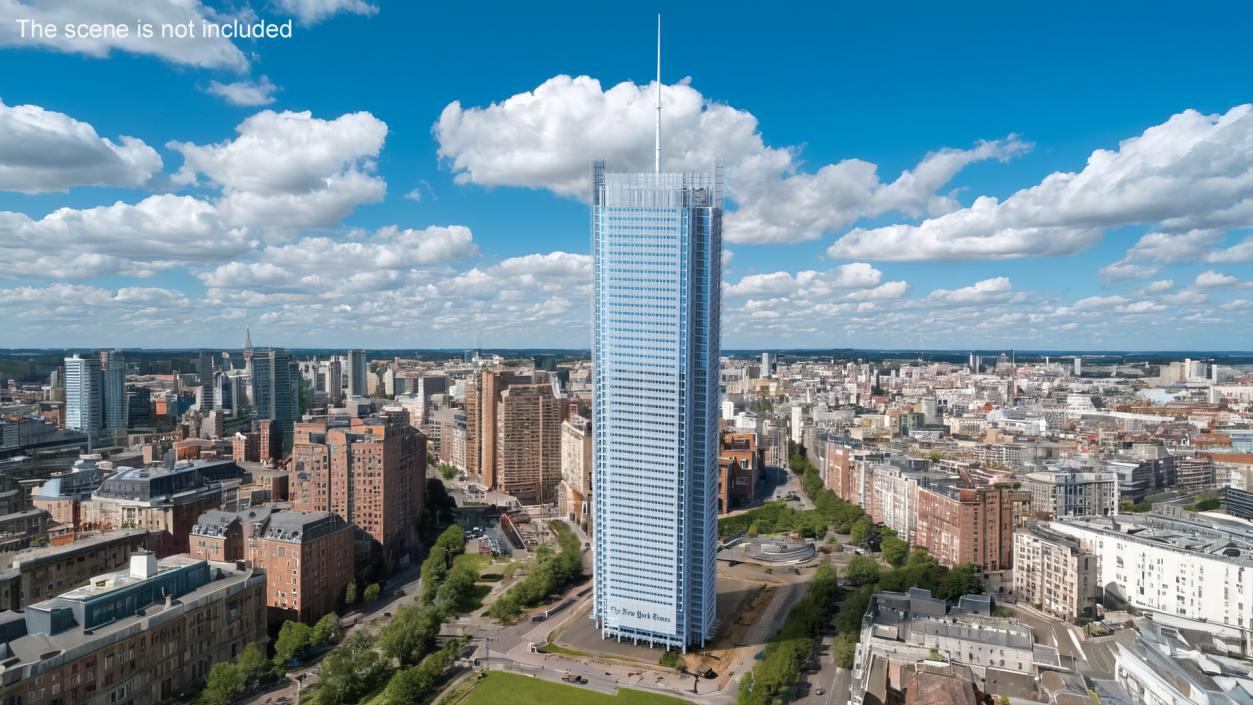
{"x":1177,"y":568}
{"x":1054,"y":573}
{"x":528,"y":443}
{"x":371,"y":472}
{"x":306,"y":556}
{"x":576,"y":470}
{"x":1065,"y":492}
{"x":958,"y":523}
{"x":738,"y":464}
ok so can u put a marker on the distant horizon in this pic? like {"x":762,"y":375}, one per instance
{"x":1061,"y":352}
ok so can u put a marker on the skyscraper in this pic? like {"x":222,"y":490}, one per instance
{"x":657,"y":249}
{"x":204,"y":371}
{"x":358,"y":374}
{"x":276,"y":391}
{"x":83,"y":395}
{"x":115,"y":408}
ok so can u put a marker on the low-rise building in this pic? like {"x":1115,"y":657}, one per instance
{"x":165,"y":499}
{"x":140,"y":636}
{"x":41,"y":573}
{"x":1162,"y":667}
{"x":906,"y":629}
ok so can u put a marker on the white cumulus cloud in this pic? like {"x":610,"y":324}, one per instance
{"x":1192,"y":172}
{"x":546,"y":138}
{"x":42,"y":150}
{"x":290,"y":169}
{"x":245,"y":93}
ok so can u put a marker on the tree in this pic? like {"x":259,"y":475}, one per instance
{"x":845,"y":649}
{"x":327,"y":630}
{"x":862,"y":570}
{"x":408,"y":687}
{"x":447,"y":471}
{"x":253,"y":665}
{"x":294,"y":640}
{"x":961,"y":580}
{"x":410,"y":634}
{"x":226,"y":683}
{"x":349,"y":672}
{"x":861,"y":531}
{"x":895,"y":551}
{"x":670,"y":659}
{"x":350,"y":593}
{"x":372,"y":592}
{"x":752,"y":530}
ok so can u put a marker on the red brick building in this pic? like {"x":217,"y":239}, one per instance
{"x":371,"y":472}
{"x":246,"y":447}
{"x":307,"y":556}
{"x":738,"y":464}
{"x":969,"y":524}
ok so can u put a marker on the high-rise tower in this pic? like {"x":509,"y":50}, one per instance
{"x":657,"y":248}
{"x":83,"y":395}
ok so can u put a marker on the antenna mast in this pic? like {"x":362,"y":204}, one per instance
{"x":657,"y":157}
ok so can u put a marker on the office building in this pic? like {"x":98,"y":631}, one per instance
{"x":84,"y":396}
{"x":164,"y":500}
{"x":1054,"y":573}
{"x":138,"y":407}
{"x":204,"y":373}
{"x":333,"y":381}
{"x":275,"y":394}
{"x":358,"y":375}
{"x":142,"y":636}
{"x":657,"y":252}
{"x":114,"y":405}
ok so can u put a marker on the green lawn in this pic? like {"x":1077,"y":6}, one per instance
{"x":512,"y":689}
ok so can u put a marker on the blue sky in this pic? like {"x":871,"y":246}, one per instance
{"x":413,"y":206}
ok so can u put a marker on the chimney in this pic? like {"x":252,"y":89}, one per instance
{"x":143,"y":565}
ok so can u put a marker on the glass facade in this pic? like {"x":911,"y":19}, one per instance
{"x":657,"y":247}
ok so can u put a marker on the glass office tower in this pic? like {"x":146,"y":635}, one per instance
{"x":657,"y":247}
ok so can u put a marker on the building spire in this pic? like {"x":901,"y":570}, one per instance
{"x":657,"y":157}
{"x":248,"y":339}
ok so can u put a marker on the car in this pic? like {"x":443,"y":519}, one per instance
{"x":580,"y":680}
{"x":820,"y":691}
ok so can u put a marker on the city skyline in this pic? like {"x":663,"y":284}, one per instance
{"x":190,"y":202}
